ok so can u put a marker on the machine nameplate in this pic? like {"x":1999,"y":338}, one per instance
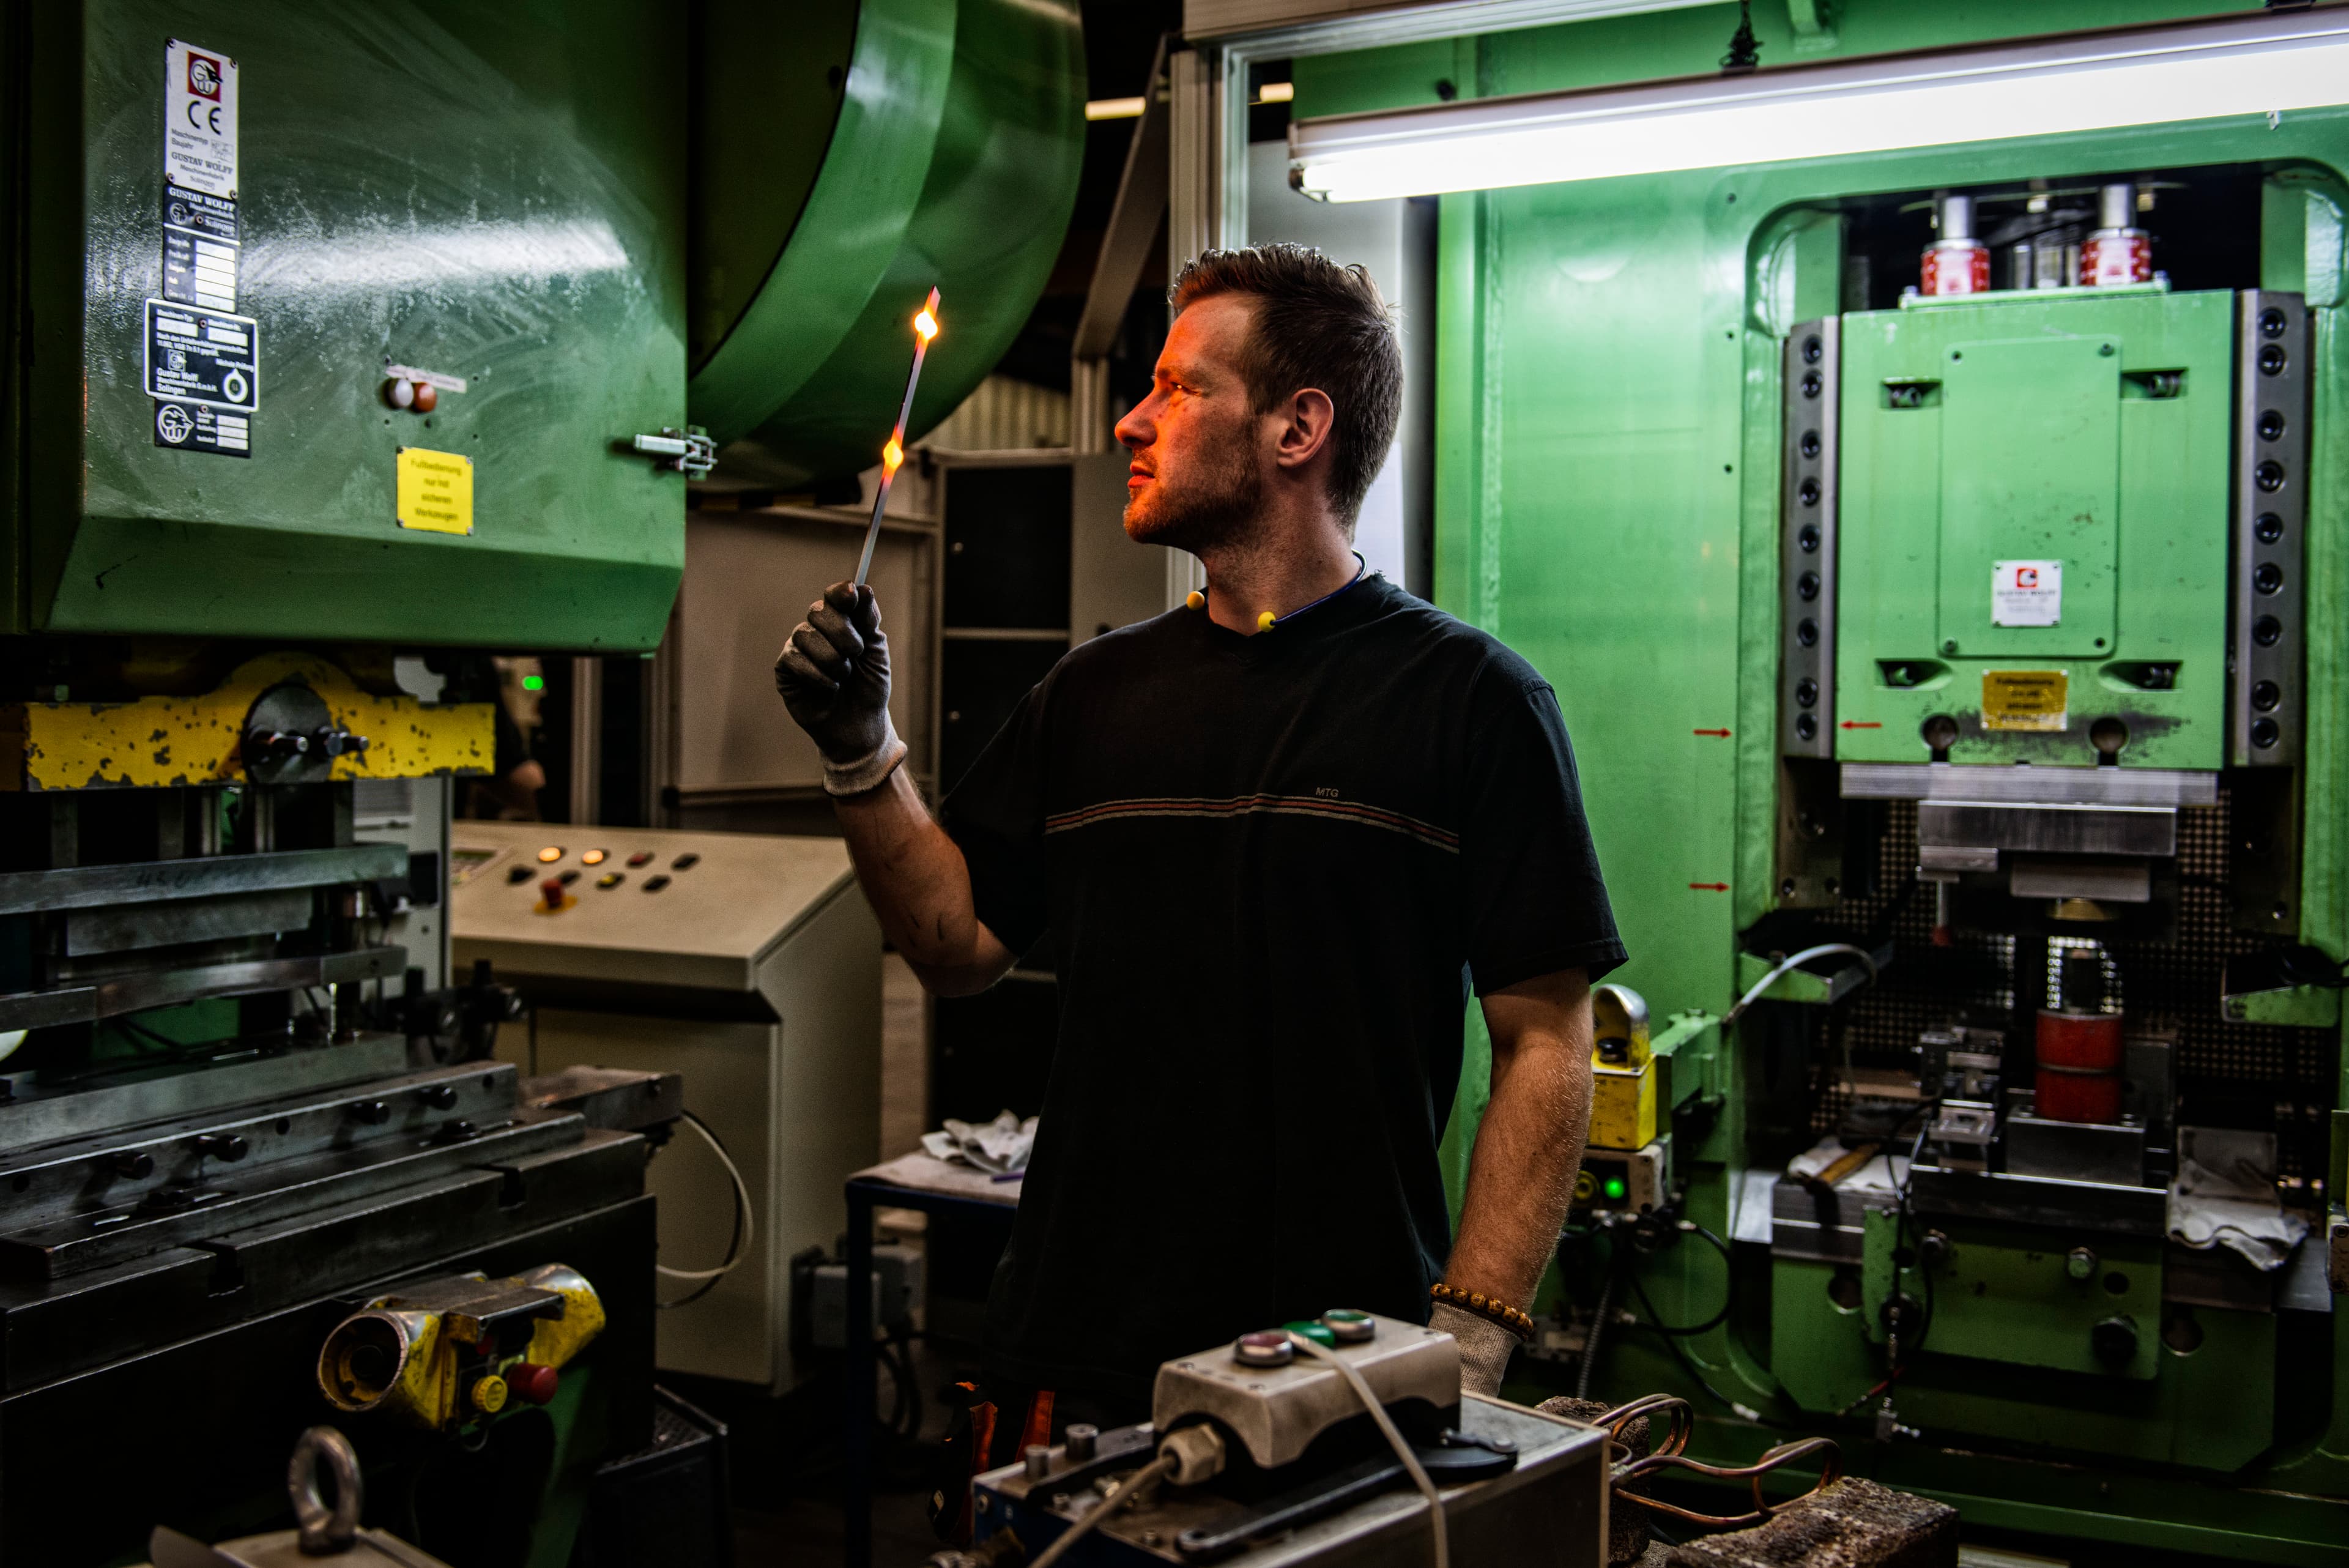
{"x":203,"y":356}
{"x":2024,"y":699}
{"x":2026,"y":593}
{"x":199,"y":118}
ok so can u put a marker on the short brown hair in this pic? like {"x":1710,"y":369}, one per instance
{"x":1318,"y":325}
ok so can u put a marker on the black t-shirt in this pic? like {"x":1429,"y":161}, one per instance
{"x":1272,"y":867}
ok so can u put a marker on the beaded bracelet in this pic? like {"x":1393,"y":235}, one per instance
{"x":1492,"y":1309}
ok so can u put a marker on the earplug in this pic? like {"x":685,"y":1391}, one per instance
{"x":1196,"y":600}
{"x":1263,"y":622}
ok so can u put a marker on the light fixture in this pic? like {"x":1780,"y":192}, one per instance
{"x":1113,"y":109}
{"x":2253,"y":65}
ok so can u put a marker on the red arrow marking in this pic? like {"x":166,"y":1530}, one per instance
{"x":1709,"y":887}
{"x":1856,"y":724}
{"x":1723,"y":733}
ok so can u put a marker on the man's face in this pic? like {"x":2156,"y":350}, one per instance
{"x":1197,"y":480}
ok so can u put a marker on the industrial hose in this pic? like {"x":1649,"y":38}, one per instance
{"x":1793,"y":960}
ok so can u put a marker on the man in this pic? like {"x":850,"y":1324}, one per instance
{"x":1276,"y":838}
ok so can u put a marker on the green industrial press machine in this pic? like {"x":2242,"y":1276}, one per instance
{"x":1938,"y":537}
{"x":347,"y":347}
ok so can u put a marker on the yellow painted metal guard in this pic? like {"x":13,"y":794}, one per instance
{"x":157,"y":742}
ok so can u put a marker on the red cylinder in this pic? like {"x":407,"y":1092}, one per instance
{"x":1955,"y":267}
{"x":2079,"y":1077}
{"x":2113,"y":256}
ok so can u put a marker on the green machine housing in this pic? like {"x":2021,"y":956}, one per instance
{"x":1981,"y":633}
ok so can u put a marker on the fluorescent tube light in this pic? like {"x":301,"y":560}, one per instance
{"x":1113,"y":109}
{"x":2265,"y":65}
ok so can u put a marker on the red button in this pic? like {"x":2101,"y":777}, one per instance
{"x":532,"y":1383}
{"x":550,"y":893}
{"x":641,"y":857}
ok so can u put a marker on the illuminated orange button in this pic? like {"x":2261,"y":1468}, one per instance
{"x":591,"y":857}
{"x":550,"y":855}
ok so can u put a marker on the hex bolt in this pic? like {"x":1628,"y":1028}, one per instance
{"x":373,"y":1113}
{"x":2080,"y":1263}
{"x":439,"y":1097}
{"x":135,"y":1163}
{"x":228,"y":1147}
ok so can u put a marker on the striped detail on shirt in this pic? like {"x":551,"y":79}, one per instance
{"x":1260,"y":806}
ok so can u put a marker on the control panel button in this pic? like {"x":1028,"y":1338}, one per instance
{"x":551,"y":896}
{"x":591,"y":857}
{"x":641,"y":857}
{"x":568,"y":878}
{"x":654,"y":884}
{"x":684,"y":862}
{"x":550,"y":855}
{"x":519,"y":875}
{"x":611,"y":878}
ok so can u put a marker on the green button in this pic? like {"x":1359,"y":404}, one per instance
{"x":1317,"y":1333}
{"x":1615,"y":1187}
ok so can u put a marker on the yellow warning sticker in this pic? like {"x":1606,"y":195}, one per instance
{"x":435,"y":491}
{"x":2024,"y":699}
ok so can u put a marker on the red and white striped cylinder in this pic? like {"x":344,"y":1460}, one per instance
{"x":2113,"y":256}
{"x":1954,"y":267}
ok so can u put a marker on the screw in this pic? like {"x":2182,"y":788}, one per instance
{"x":135,"y":1163}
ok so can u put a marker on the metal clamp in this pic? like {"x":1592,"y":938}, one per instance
{"x":689,"y":450}
{"x":325,"y":1529}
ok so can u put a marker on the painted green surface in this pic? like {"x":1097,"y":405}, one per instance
{"x":1608,"y":409}
{"x":954,"y":165}
{"x":2033,"y":438}
{"x":504,"y":207}
{"x":2000,"y":1294}
{"x":2300,"y":1006}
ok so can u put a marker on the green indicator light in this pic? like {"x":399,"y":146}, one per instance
{"x":1615,"y":1187}
{"x":533,"y":682}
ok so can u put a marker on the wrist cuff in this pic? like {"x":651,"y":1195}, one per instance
{"x":868,"y":773}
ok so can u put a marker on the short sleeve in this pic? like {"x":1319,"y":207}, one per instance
{"x":996,"y":816}
{"x":1536,"y":901}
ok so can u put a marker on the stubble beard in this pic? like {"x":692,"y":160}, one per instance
{"x":1213,"y":503}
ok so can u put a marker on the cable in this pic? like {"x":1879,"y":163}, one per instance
{"x":1598,"y":1323}
{"x":1729,"y":1289}
{"x":1155,"y":1470}
{"x":1418,"y":1471}
{"x":1791,"y":961}
{"x":737,"y":1247}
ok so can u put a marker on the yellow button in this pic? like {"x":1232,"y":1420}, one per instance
{"x":490,"y":1395}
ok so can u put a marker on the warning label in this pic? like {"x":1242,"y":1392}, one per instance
{"x":435,"y":491}
{"x":199,"y":120}
{"x":193,"y":427}
{"x":2024,"y":699}
{"x":199,"y":249}
{"x":2026,"y":593}
{"x":203,"y":356}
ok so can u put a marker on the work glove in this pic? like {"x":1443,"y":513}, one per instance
{"x":833,"y":675}
{"x":1484,"y":1347}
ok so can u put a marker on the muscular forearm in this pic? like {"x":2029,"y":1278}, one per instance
{"x":919,"y":886}
{"x":1530,"y":1145}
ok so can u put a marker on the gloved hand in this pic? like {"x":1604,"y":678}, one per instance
{"x":1485,"y":1347}
{"x":833,"y":674}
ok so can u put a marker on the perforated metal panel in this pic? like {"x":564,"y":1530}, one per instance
{"x":2258,"y":1077}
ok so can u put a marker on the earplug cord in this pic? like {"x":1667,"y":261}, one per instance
{"x":1418,"y":1471}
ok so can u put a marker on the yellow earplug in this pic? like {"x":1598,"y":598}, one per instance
{"x":1196,"y":600}
{"x":1263,"y":622}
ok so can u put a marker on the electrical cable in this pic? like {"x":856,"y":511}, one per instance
{"x":744,"y":1223}
{"x":1386,"y":1426}
{"x":1155,"y":1470}
{"x":1598,"y":1325}
{"x":1729,"y":1289}
{"x":1791,"y":961}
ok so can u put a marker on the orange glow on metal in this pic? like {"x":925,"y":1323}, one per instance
{"x":892,"y":455}
{"x":926,"y":325}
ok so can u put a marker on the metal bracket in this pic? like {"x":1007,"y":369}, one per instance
{"x":2267,"y":696}
{"x":689,"y":450}
{"x":1806,"y":550}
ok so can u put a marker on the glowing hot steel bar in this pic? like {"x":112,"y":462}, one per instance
{"x":925,"y":327}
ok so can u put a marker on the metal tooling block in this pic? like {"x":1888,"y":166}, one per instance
{"x":2076,"y":1151}
{"x":142,"y":1095}
{"x":2121,"y":1209}
{"x":2048,"y":830}
{"x":1828,"y":1226}
{"x":1277,"y":1411}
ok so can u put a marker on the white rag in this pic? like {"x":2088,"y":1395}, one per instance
{"x":2213,"y":1209}
{"x":998,"y":1148}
